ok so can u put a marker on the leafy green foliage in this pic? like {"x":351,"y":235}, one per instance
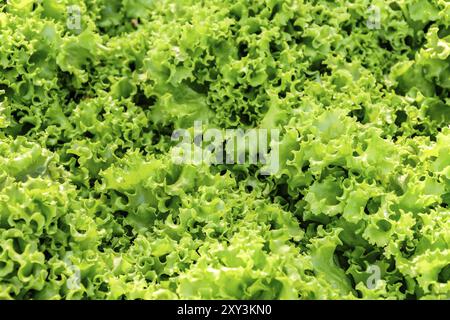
{"x":89,"y":191}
